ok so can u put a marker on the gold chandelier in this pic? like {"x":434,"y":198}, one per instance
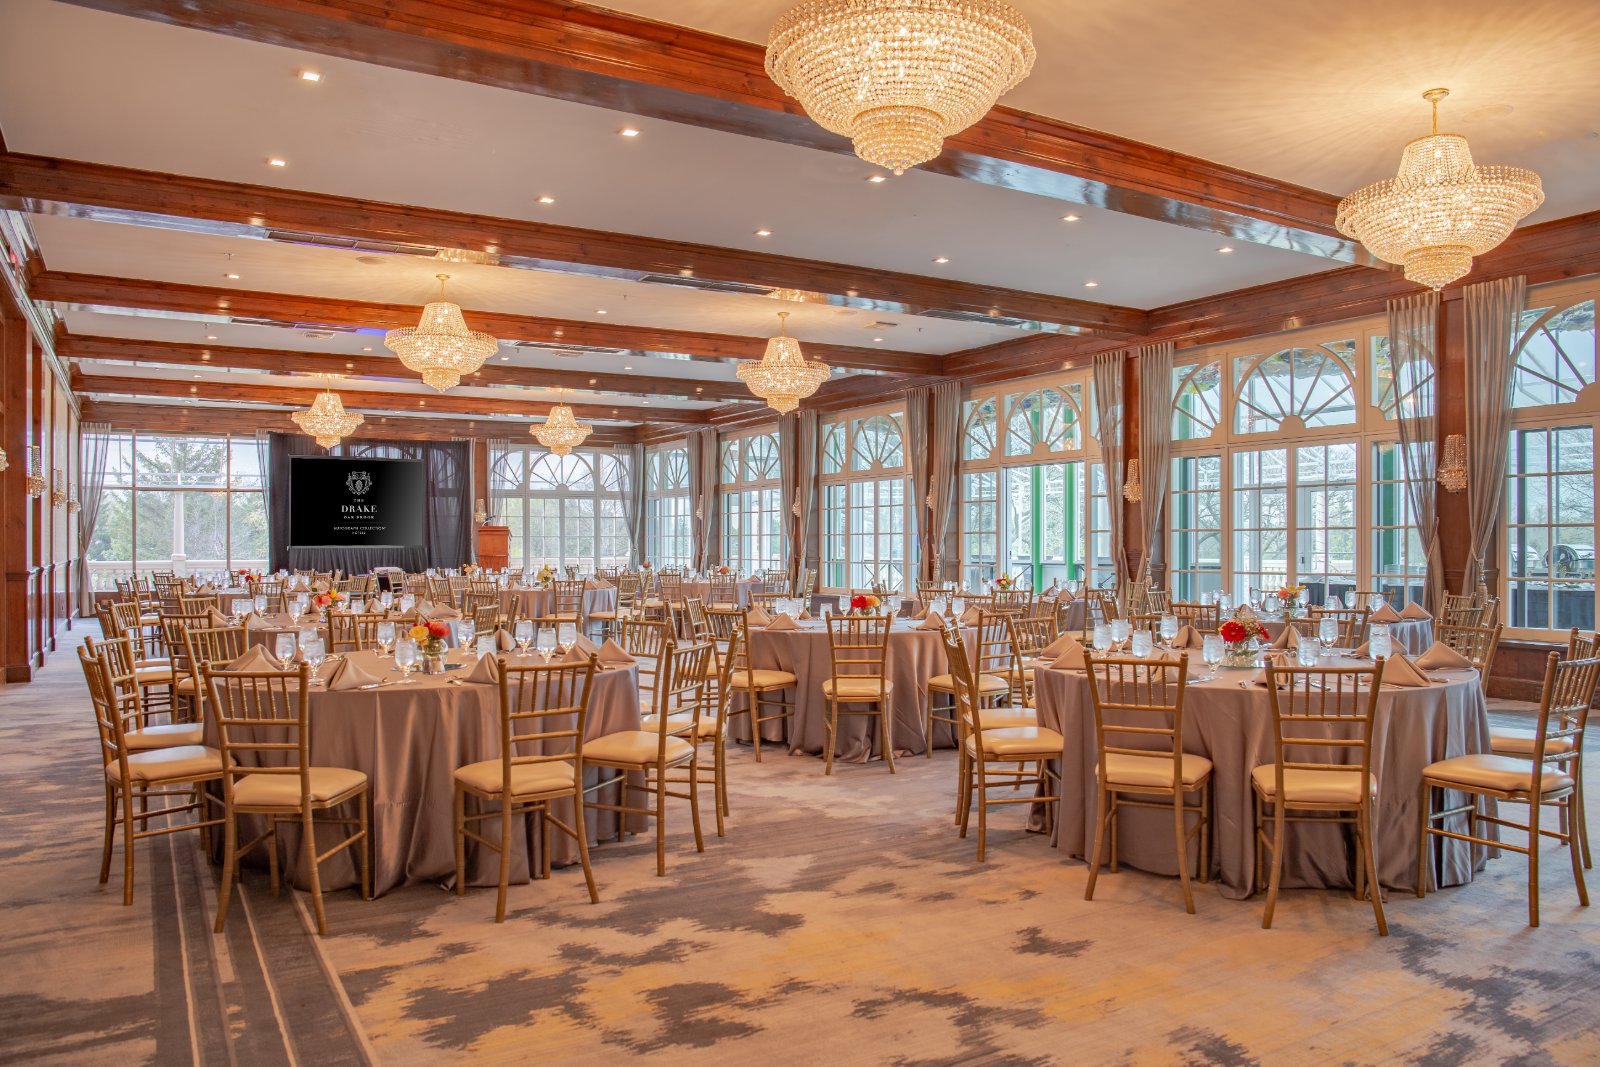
{"x":899,"y":76}
{"x":1441,"y":209}
{"x":783,"y":377}
{"x":440,"y":347}
{"x":560,"y":432}
{"x":326,"y":419}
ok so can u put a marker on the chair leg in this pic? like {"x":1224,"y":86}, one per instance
{"x":129,"y":822}
{"x":1582,"y":812}
{"x":755,"y":722}
{"x":229,"y":861}
{"x":308,"y":832}
{"x":366,"y":846}
{"x":1576,"y":848}
{"x":1205,"y":833}
{"x":1099,"y":841}
{"x":1424,"y":804}
{"x":719,"y":767}
{"x":963,"y":791}
{"x":1533,"y":861}
{"x":461,"y":841}
{"x":582,"y":826}
{"x":505,"y":859}
{"x":983,"y":808}
{"x":888,"y":734}
{"x":1369,"y":855}
{"x":1277,"y":865}
{"x":1183,"y":847}
{"x":110,"y":835}
{"x":830,"y":726}
{"x":694,"y":798}
{"x":661,"y":822}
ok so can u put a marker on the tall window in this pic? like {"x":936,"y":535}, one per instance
{"x":1286,"y":466}
{"x":669,"y":529}
{"x":1548,"y":545}
{"x":184,"y":504}
{"x":1033,"y":494}
{"x":752,"y":526}
{"x":865,"y":534}
{"x":562,"y":509}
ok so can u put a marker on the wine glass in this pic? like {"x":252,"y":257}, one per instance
{"x":466,"y":630}
{"x":524,"y":635}
{"x":1225,"y":602}
{"x":1375,"y":601}
{"x":1328,"y":631}
{"x":547,"y":642}
{"x":385,"y":636}
{"x":301,"y":602}
{"x":487,"y":645}
{"x":405,"y":657}
{"x":1121,"y":629}
{"x":566,"y":636}
{"x":1307,"y":652}
{"x":315,"y":652}
{"x":1212,"y":652}
{"x":260,"y":604}
{"x":385,"y":599}
{"x":407,"y":602}
{"x":283,"y":647}
{"x":1143,"y":643}
{"x":1102,"y":637}
{"x":1169,"y":629}
{"x":958,"y":606}
{"x":239,"y":607}
{"x":1272,"y":604}
{"x":1380,"y":643}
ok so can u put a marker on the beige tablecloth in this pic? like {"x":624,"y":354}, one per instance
{"x":536,"y":603}
{"x":1411,"y":636}
{"x":409,"y":739}
{"x":1233,"y":728}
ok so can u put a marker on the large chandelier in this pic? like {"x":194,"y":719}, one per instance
{"x":560,"y":432}
{"x":1440,"y":210}
{"x":440,"y":347}
{"x":326,"y":419}
{"x":783,"y":377}
{"x":899,"y":76}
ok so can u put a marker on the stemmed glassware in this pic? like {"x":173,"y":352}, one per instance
{"x":524,"y":636}
{"x":546,"y":642}
{"x":385,"y":636}
{"x":1379,"y":642}
{"x":1121,"y":629}
{"x":466,"y":630}
{"x":1101,"y":638}
{"x":1328,"y":631}
{"x":1212,"y":652}
{"x":566,"y":636}
{"x":405,"y":657}
{"x":283,"y":647}
{"x":302,"y":601}
{"x":1169,"y":629}
{"x":260,"y":603}
{"x":315,"y":652}
{"x":1143,"y":643}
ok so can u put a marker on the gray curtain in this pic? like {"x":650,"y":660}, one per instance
{"x":1413,"y":339}
{"x":498,"y":446}
{"x":94,"y":444}
{"x":703,"y":461}
{"x":797,"y":460}
{"x":1493,"y":310}
{"x":933,"y":429}
{"x":1155,"y":447}
{"x":1108,"y":404}
{"x":633,"y":504}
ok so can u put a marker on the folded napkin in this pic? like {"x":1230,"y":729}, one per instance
{"x":614,"y":655}
{"x":1260,"y":679}
{"x":216,"y":618}
{"x":783,"y":622}
{"x":280,"y":621}
{"x":503,"y":638}
{"x":1384,"y":614}
{"x":485,"y":672}
{"x":1415,"y":612}
{"x":932,"y":621}
{"x":1361,"y":651}
{"x":583,"y":644}
{"x":1065,"y":596}
{"x":1053,"y":586}
{"x":758,"y":616}
{"x":349,"y":674}
{"x":1290,"y":638}
{"x":1399,"y":670}
{"x":805,"y":613}
{"x":1065,"y":651}
{"x":1441,"y":657}
{"x":970,"y":617}
{"x":442,"y":612}
{"x":255,"y":658}
{"x":576,"y":655}
{"x":1188,"y":637}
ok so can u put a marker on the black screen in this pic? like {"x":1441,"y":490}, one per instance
{"x":356,"y":501}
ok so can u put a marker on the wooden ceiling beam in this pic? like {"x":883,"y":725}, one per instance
{"x":570,"y":51}
{"x":42,"y":185}
{"x":280,"y":361}
{"x":98,"y":293}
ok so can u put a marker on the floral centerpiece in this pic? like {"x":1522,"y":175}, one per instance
{"x":430,"y":636}
{"x":546,"y":574}
{"x":647,"y":566}
{"x":471,"y":570}
{"x":326,"y":602}
{"x":724,"y":569}
{"x":1289,"y":596}
{"x":1005,"y":583}
{"x":865,"y":604}
{"x":1237,"y":636}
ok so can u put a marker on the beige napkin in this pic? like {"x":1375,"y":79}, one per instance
{"x":614,"y":655}
{"x":576,"y":655}
{"x":1384,"y":614}
{"x":1188,"y":637}
{"x":1065,"y":651}
{"x":805,"y":613}
{"x":1399,"y":670}
{"x":442,"y":612}
{"x":1441,"y":657}
{"x":585,"y":645}
{"x":970,"y":617}
{"x":758,"y":616}
{"x":783,"y":622}
{"x":1065,"y":596}
{"x":1361,"y":651}
{"x":485,"y":672}
{"x":348,"y":674}
{"x":1260,"y":679}
{"x":1290,"y":638}
{"x":504,"y":639}
{"x":216,"y":618}
{"x":933,"y":621}
{"x":1415,"y":611}
{"x":255,"y":658}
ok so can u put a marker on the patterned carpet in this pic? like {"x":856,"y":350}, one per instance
{"x":842,"y":920}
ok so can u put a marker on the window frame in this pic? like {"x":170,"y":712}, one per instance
{"x":607,"y":505}
{"x":667,"y":501}
{"x":844,"y":502}
{"x":748,"y":495}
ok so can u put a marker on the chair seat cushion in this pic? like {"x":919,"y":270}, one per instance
{"x":165,"y":764}
{"x":1512,"y":742}
{"x":705,"y":726}
{"x":856,"y":688}
{"x":1014,"y":742}
{"x":167,"y":735}
{"x":761,"y":679}
{"x":527,"y":779}
{"x":1154,"y":771}
{"x":559,"y":617}
{"x":1502,"y":774}
{"x":987,"y":683}
{"x":187,"y":687}
{"x":634,"y":748}
{"x":602,"y":614}
{"x":1305,"y":785}
{"x":283,"y":790}
{"x":153,"y":675}
{"x":1008,"y":718}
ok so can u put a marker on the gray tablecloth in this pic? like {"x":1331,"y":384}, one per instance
{"x":1411,"y":636}
{"x":536,"y":603}
{"x":409,"y":740}
{"x":1233,"y":728}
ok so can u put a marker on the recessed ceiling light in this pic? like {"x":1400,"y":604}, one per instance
{"x":276,"y":162}
{"x":1069,"y":218}
{"x":310,"y":75}
{"x":547,"y":200}
{"x":878,"y":339}
{"x":231,"y":277}
{"x":197,"y":375}
{"x":367,"y":349}
{"x":211,"y":337}
{"x":1224,"y":250}
{"x":599,"y":311}
{"x":941,"y":259}
{"x":763,"y":233}
{"x":1091,"y":285}
{"x":593,"y":380}
{"x":647,"y":403}
{"x":628,"y":131}
{"x":627,"y":368}
{"x":206,"y":357}
{"x":504,"y":358}
{"x":877,"y":179}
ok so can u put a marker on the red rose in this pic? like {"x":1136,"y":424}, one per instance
{"x":438,"y":629}
{"x":1232,"y":632}
{"x":859,"y":602}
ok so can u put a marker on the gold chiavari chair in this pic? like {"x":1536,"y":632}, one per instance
{"x":654,"y":753}
{"x":1205,"y":618}
{"x":767,"y":602}
{"x":137,"y":769}
{"x":417,"y":585}
{"x":185,"y":689}
{"x":1519,"y":743}
{"x":483,"y":587}
{"x":354,"y":631}
{"x":473,"y":600}
{"x":724,"y":592}
{"x":1545,"y":778}
{"x":566,"y":602}
{"x":1460,"y":610}
{"x":629,"y":587}
{"x":198,"y":605}
{"x":1321,"y":769}
{"x":694,"y":611}
{"x":1100,"y":606}
{"x":544,"y":710}
{"x":776,"y":580}
{"x":647,"y":640}
{"x":263,"y":727}
{"x":1476,"y":643}
{"x":1352,"y":623}
{"x":139,"y":733}
{"x":1158,"y":602}
{"x":440,"y":591}
{"x":214,"y":645}
{"x":1364,"y":597}
{"x":1583,"y":646}
{"x":150,"y":664}
{"x":267,"y":587}
{"x":858,"y":649}
{"x":1138,"y":725}
{"x":708,"y":724}
{"x":487,"y":618}
{"x":994,"y":683}
{"x":1029,"y":637}
{"x":142,"y":628}
{"x":1003,"y":753}
{"x":762,"y":689}
{"x":808,"y":585}
{"x":1147,"y":620}
{"x":1135,"y":597}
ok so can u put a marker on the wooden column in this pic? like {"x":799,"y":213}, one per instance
{"x":1132,"y":514}
{"x":1455,"y":528}
{"x":16,"y":509}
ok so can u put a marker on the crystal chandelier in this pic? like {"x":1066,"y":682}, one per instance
{"x":899,"y":76}
{"x":783,"y":377}
{"x":326,"y":419}
{"x":1440,"y":210}
{"x":1453,"y":470}
{"x":440,"y":347}
{"x":560,"y":432}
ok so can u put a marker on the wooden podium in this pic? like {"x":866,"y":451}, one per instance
{"x":494,"y":547}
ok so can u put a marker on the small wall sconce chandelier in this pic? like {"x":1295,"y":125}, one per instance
{"x":35,"y":483}
{"x":58,"y":489}
{"x":1453,"y":466}
{"x":1133,"y":489}
{"x":480,"y":514}
{"x":72,"y":505}
{"x":5,"y":460}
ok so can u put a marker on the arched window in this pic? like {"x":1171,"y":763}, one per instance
{"x":865,"y":528}
{"x":558,"y":511}
{"x":752,"y":526}
{"x":1196,"y":400}
{"x":669,"y":531}
{"x":1295,"y":388}
{"x":876,"y":444}
{"x":978,"y":433}
{"x":1044,"y":421}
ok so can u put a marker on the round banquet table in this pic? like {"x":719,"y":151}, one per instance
{"x":702,"y":590}
{"x":1411,"y":636}
{"x":534,"y":603}
{"x":914,"y":656}
{"x":1077,"y":611}
{"x":409,"y":740}
{"x":1232,"y":727}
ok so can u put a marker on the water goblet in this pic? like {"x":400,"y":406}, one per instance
{"x":466,"y":630}
{"x":407,"y":602}
{"x":315,"y":653}
{"x":1212,"y":651}
{"x":1379,"y":642}
{"x":405,"y":657}
{"x":1375,"y":601}
{"x":1271,"y":604}
{"x":957,"y":606}
{"x":1101,"y":638}
{"x":301,"y":603}
{"x":566,"y":636}
{"x":385,"y":637}
{"x":487,"y":645}
{"x":1169,"y":629}
{"x":1121,"y":630}
{"x":385,"y":600}
{"x":283,"y":647}
{"x":1143,"y":643}
{"x":523,"y":635}
{"x":240,"y":606}
{"x":1225,"y":602}
{"x":1307,"y":652}
{"x":260,"y":604}
{"x":547,"y":642}
{"x":1328,"y":631}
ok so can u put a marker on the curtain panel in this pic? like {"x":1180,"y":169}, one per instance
{"x":1493,"y":311}
{"x":933,"y":430}
{"x":797,"y":461}
{"x":703,"y":461}
{"x":1413,"y":348}
{"x":1108,"y":405}
{"x":94,"y":444}
{"x":498,"y":447}
{"x":1155,"y":450}
{"x":633,"y":504}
